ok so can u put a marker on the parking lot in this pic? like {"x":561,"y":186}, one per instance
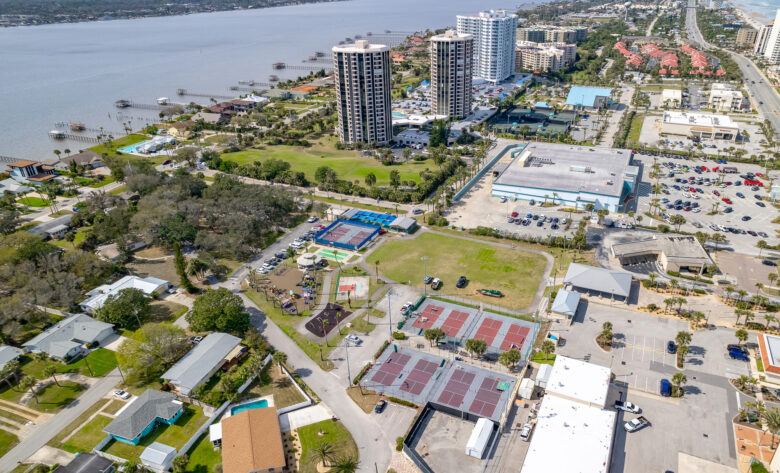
{"x":698,"y":424}
{"x":480,"y":208}
{"x":738,"y":209}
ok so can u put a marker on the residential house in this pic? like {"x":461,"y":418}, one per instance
{"x":139,"y":418}
{"x":179,"y":130}
{"x":13,"y":187}
{"x":252,"y":442}
{"x":87,"y":463}
{"x":111,"y":253}
{"x":158,"y":457}
{"x":7,"y":355}
{"x":55,"y":228}
{"x":203,"y":361}
{"x":207,"y":117}
{"x":67,"y":339}
{"x":87,"y":158}
{"x":149,"y":285}
{"x":31,"y":172}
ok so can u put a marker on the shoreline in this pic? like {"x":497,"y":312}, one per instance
{"x":291,"y":3}
{"x":754,"y":18}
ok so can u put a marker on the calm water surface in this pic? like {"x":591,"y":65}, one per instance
{"x":75,"y":72}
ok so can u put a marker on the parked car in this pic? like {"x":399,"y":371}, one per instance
{"x":436,"y":284}
{"x":666,"y":387}
{"x":380,"y":406}
{"x":427,"y":279}
{"x":627,"y":407}
{"x":525,"y":431}
{"x":462,"y":281}
{"x":768,"y":262}
{"x":122,"y":394}
{"x":354,"y":339}
{"x":671,"y":347}
{"x":738,"y":353}
{"x":636,"y":424}
{"x":312,"y":219}
{"x":420,"y":211}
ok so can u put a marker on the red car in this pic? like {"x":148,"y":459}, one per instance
{"x":727,"y":200}
{"x":716,"y":193}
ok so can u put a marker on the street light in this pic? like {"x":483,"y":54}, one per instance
{"x":425,"y":273}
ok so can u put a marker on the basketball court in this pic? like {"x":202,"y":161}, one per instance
{"x":338,"y":256}
{"x":327,"y":320}
{"x":352,"y":287}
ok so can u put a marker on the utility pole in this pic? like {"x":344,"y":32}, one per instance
{"x":346,"y":353}
{"x":425,"y":273}
{"x":390,"y":311}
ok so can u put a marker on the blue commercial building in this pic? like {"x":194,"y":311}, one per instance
{"x":584,"y":97}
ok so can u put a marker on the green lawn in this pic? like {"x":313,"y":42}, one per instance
{"x":348,"y":164}
{"x":117,"y":190}
{"x":52,"y":398}
{"x":543,"y":358}
{"x":333,"y":433}
{"x":287,"y":323}
{"x":78,"y":238}
{"x":516,"y":273}
{"x":7,"y":442}
{"x":330,"y":200}
{"x":102,"y":361}
{"x":110,"y":148}
{"x":88,"y":437}
{"x":273,"y":382}
{"x":36,"y":202}
{"x":203,"y":456}
{"x":174,"y":435}
{"x":56,"y":441}
{"x":96,"y":184}
{"x":636,"y":129}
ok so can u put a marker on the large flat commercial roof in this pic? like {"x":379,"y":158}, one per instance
{"x":570,"y":437}
{"x":559,"y":167}
{"x":769,"y":348}
{"x":579,"y":381}
{"x":683,"y":249}
{"x":698,"y":119}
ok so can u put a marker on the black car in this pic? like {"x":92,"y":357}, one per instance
{"x":427,"y":279}
{"x":769,"y":262}
{"x":539,"y":223}
{"x":280,"y":255}
{"x":671,"y":347}
{"x":763,"y":234}
{"x":380,"y":406}
{"x":746,"y":218}
{"x":760,"y":204}
{"x":462,"y":281}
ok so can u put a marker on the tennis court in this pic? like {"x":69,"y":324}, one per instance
{"x":334,"y":255}
{"x":502,"y":333}
{"x":428,"y":316}
{"x":366,"y":216}
{"x":347,"y":235}
{"x":475,"y":391}
{"x":405,"y":373}
{"x":454,"y":320}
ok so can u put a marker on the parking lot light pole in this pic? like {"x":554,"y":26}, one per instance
{"x":390,"y":311}
{"x":425,"y":273}
{"x":346,"y":355}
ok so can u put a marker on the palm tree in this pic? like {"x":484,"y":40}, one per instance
{"x":772,"y":419}
{"x":9,"y":371}
{"x":674,"y":284}
{"x":323,"y":453}
{"x":652,"y":277}
{"x":510,"y":358}
{"x":280,"y":358}
{"x":548,"y":347}
{"x":51,"y":372}
{"x":345,"y":465}
{"x":769,"y":319}
{"x":28,"y":383}
{"x":742,"y":335}
{"x":772,"y":278}
{"x":678,"y":380}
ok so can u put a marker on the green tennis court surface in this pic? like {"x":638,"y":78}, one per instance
{"x":335,"y":255}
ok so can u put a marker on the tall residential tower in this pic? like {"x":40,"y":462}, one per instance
{"x":494,"y":34}
{"x":772,"y":49}
{"x":362,"y":77}
{"x":452,"y":56}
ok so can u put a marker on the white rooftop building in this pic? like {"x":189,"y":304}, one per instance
{"x":572,"y":419}
{"x":699,"y":125}
{"x":149,"y":285}
{"x":726,"y":98}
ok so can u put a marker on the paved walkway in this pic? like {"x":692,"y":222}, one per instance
{"x":307,"y":416}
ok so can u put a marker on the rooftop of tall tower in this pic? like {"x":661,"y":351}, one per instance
{"x":360,"y":46}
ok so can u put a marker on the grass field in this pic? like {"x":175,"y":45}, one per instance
{"x":36,"y":202}
{"x":327,"y":431}
{"x":7,"y":441}
{"x":174,"y":435}
{"x":88,"y":436}
{"x":203,"y":456}
{"x":348,"y":203}
{"x":516,"y":273}
{"x":273,"y":382}
{"x":110,"y":148}
{"x":56,"y":441}
{"x":636,"y":129}
{"x":348,"y":164}
{"x":101,"y":361}
{"x":52,"y":398}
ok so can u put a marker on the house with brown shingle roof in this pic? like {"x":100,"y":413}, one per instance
{"x":31,"y":172}
{"x":252,"y":442}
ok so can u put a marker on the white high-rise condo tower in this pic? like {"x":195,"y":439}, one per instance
{"x":772,"y":50}
{"x":494,"y":34}
{"x":362,"y":77}
{"x":452,"y":56}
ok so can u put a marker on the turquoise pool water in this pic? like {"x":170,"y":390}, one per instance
{"x":132,"y":148}
{"x":249,"y":406}
{"x":399,"y":115}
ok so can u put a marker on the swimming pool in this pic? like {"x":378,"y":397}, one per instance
{"x":258,"y":404}
{"x":399,"y":115}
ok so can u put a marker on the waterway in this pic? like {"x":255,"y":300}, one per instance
{"x":75,"y":72}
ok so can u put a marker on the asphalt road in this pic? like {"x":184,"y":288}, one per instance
{"x":764,"y":96}
{"x":373,"y":445}
{"x":46,"y":431}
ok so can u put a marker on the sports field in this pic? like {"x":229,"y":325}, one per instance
{"x":349,"y":165}
{"x":515,"y":273}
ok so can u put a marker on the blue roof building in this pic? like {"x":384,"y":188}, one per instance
{"x":588,"y":97}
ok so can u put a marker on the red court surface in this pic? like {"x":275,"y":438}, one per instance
{"x":428,"y":317}
{"x":486,"y":399}
{"x":514,"y":337}
{"x":488,"y":330}
{"x":454,"y":322}
{"x":419,"y":377}
{"x":456,"y":388}
{"x":390,"y":369}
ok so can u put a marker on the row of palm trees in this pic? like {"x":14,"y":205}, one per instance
{"x":768,"y":418}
